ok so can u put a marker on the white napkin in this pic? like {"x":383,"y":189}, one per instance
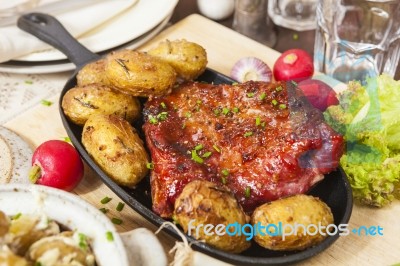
{"x":15,"y":42}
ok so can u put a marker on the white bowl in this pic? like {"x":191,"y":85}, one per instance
{"x":68,"y":210}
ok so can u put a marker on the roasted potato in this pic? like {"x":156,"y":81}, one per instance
{"x":116,"y":147}
{"x":4,"y":224}
{"x":301,"y":210}
{"x":81,"y":102}
{"x":202,"y":203}
{"x":8,"y":258}
{"x":93,"y":73}
{"x":139,"y":74}
{"x":187,"y":58}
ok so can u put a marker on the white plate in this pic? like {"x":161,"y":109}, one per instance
{"x":134,"y":22}
{"x":60,"y":67}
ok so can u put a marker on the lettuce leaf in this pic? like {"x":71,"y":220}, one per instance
{"x":369,"y":119}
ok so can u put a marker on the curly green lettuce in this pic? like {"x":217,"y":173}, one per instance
{"x":369,"y":118}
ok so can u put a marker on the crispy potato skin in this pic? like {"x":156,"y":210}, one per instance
{"x":300,"y":209}
{"x":139,"y":74}
{"x":93,"y":73}
{"x":116,"y":147}
{"x":81,"y":102}
{"x":187,"y":58}
{"x":209,"y":203}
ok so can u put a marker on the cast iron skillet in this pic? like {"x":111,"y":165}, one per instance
{"x":333,"y":190}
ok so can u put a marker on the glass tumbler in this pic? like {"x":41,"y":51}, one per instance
{"x":251,"y":19}
{"x":293,"y":14}
{"x":357,"y":39}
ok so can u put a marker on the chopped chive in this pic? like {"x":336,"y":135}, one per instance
{"x":223,"y":180}
{"x":15,"y":217}
{"x":258,"y":121}
{"x":216,"y":111}
{"x":163,"y":105}
{"x":153,"y":120}
{"x":120,"y":206}
{"x":116,"y":221}
{"x":250,"y":94}
{"x":46,"y":103}
{"x":235,"y":83}
{"x":149,"y":166}
{"x":105,"y":200}
{"x":28,"y":82}
{"x":188,"y":114}
{"x":162,"y":116}
{"x":109,"y":236}
{"x":262,"y":96}
{"x":199,"y":102}
{"x":82,"y":241}
{"x":174,"y":219}
{"x":274,"y":102}
{"x":183,"y":125}
{"x":248,"y":134}
{"x":196,"y":157}
{"x":225,"y":172}
{"x":263,"y":124}
{"x":235,"y":110}
{"x":294,"y":83}
{"x":217,"y":148}
{"x":225,"y":110}
{"x":199,"y":147}
{"x":282,"y":106}
{"x":38,"y":263}
{"x":279,"y":88}
{"x":67,"y":139}
{"x":247,"y":192}
{"x":295,"y":37}
{"x":207,"y":154}
{"x":103,"y":210}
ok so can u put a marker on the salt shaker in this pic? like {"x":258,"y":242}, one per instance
{"x":251,"y":19}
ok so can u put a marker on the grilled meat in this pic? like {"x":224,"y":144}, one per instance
{"x":262,"y":140}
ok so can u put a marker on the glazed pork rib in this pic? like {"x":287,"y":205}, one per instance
{"x":262,"y":140}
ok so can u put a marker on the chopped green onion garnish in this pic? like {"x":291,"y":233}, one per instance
{"x":46,"y":103}
{"x":295,"y":37}
{"x":262,"y":96}
{"x":223,"y":180}
{"x":120,"y":206}
{"x":103,"y":210}
{"x":196,"y":157}
{"x":28,"y":82}
{"x":82,"y":241}
{"x":15,"y":217}
{"x":294,"y":83}
{"x":279,"y":88}
{"x":248,"y":134}
{"x":188,"y":114}
{"x":106,"y":200}
{"x":207,"y":154}
{"x":274,"y":102}
{"x":282,"y":106}
{"x":247,"y":192}
{"x":152,"y":120}
{"x":225,"y":172}
{"x":174,"y":219}
{"x":235,"y":83}
{"x":250,"y":94}
{"x":235,"y":110}
{"x":198,"y":147}
{"x":163,"y":105}
{"x":199,"y":102}
{"x":225,"y":111}
{"x":38,"y":263}
{"x":258,"y":121}
{"x":183,"y":125}
{"x":149,"y":166}
{"x":116,"y":221}
{"x":67,"y":139}
{"x":162,"y":116}
{"x":217,"y":148}
{"x":109,"y":236}
{"x":216,"y":111}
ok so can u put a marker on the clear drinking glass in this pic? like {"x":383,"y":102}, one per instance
{"x":293,"y":14}
{"x":356,"y":39}
{"x":251,"y":19}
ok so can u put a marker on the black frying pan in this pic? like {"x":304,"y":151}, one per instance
{"x":334,"y":190}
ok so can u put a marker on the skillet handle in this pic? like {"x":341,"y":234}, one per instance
{"x":51,"y":31}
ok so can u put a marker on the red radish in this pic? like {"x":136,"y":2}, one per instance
{"x":294,"y":64}
{"x":251,"y":68}
{"x":319,"y":94}
{"x":56,"y":163}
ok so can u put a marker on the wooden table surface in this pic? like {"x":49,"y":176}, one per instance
{"x":224,"y":47}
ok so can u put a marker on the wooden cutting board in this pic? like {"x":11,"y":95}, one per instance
{"x":224,"y":47}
